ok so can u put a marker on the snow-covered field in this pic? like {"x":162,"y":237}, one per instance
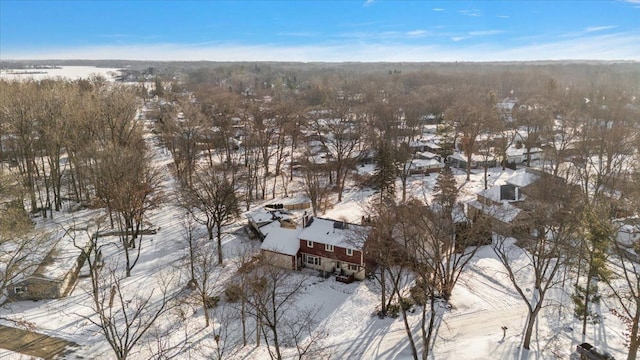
{"x":66,"y":72}
{"x":483,"y":301}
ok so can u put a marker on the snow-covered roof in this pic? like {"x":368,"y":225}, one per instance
{"x":268,"y":228}
{"x":492,"y":193}
{"x":507,"y":103}
{"x":282,"y":240}
{"x":630,"y":224}
{"x":323,"y":231}
{"x":416,"y":143}
{"x":457,"y":213}
{"x":505,"y":212}
{"x":534,"y":150}
{"x":514,"y":151}
{"x":63,"y":259}
{"x":629,"y":228}
{"x":427,"y":155}
{"x":262,"y":217}
{"x":474,"y":157}
{"x":422,"y":163}
{"x":522,"y":178}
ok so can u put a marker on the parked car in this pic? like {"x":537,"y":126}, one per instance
{"x":589,"y":352}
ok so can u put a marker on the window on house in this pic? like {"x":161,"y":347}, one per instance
{"x":312,"y":260}
{"x":328,"y":247}
{"x":353,"y":267}
{"x":349,"y":252}
{"x":19,"y":289}
{"x":309,"y":244}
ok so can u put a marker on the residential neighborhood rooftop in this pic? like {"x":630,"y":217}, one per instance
{"x":324,"y":231}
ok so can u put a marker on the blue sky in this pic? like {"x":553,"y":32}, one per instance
{"x":373,"y":30}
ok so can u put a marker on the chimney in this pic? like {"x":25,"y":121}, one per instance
{"x":307,"y":220}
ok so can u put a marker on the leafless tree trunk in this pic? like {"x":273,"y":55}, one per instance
{"x":271,"y":295}
{"x":212,"y":202}
{"x":128,"y":186}
{"x":340,"y":134}
{"x":124,"y":319}
{"x":470,"y":116}
{"x":201,"y":262}
{"x":316,"y":184}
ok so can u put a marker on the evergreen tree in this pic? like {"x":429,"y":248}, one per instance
{"x":597,"y":234}
{"x":446,"y":190}
{"x":385,"y":172}
{"x":159,"y":88}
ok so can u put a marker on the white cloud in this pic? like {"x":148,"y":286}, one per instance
{"x":503,"y":16}
{"x":368,"y":2}
{"x":437,"y":9}
{"x":599,"y":28}
{"x":587,"y":31}
{"x":113,"y":36}
{"x":299,"y":34}
{"x":620,"y":46}
{"x":485,"y":32}
{"x":473,"y":13}
{"x":383,"y":35}
{"x":417,"y":33}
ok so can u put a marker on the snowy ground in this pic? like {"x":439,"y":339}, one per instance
{"x":482,"y":302}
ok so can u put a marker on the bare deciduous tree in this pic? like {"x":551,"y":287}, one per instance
{"x":212,"y":202}
{"x":129,"y":186}
{"x":124,"y":316}
{"x":271,"y":295}
{"x":470,"y":116}
{"x":340,"y":134}
{"x":316,"y":184}
{"x":201,"y":260}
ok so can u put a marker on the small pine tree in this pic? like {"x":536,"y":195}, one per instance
{"x":582,"y":309}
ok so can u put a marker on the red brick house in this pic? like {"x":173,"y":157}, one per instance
{"x":333,"y":246}
{"x":327,"y":245}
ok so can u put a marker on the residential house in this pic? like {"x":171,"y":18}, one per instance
{"x":459,"y":160}
{"x":262,"y":220}
{"x":55,"y":277}
{"x":504,"y":204}
{"x":330,"y":246}
{"x":506,"y":106}
{"x":628,"y":231}
{"x":426,"y":162}
{"x":333,"y":246}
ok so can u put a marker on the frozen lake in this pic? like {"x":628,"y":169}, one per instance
{"x":68,"y":72}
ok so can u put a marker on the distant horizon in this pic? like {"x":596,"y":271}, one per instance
{"x":321,"y":31}
{"x":622,"y":61}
